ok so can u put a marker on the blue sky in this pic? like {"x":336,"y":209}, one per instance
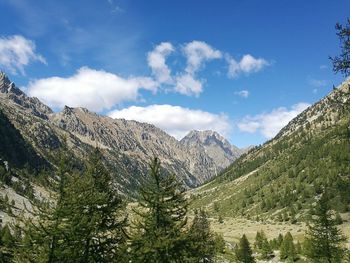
{"x":242,"y":68}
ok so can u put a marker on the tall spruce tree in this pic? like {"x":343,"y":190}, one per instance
{"x":323,"y":237}
{"x":244,"y":252}
{"x":100,"y":213}
{"x":201,"y":240}
{"x":43,"y":235}
{"x":160,"y":231}
{"x":287,"y":249}
{"x":262,"y":245}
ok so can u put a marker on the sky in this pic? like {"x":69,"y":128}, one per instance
{"x":241,"y":68}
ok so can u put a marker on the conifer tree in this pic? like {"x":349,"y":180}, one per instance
{"x":244,"y":252}
{"x":159,"y":233}
{"x":86,"y":224}
{"x":341,"y":63}
{"x":201,"y":239}
{"x":262,"y":245}
{"x":287,"y":249}
{"x":324,"y":239}
{"x":99,"y":213}
{"x":42,"y":235}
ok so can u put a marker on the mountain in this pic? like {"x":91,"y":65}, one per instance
{"x":127,"y":146}
{"x":214,"y":145}
{"x":281,"y":179}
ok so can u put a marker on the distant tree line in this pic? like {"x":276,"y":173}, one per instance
{"x":323,"y":242}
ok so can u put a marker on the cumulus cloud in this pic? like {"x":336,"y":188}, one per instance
{"x":94,"y":89}
{"x":16,"y":52}
{"x":175,"y":120}
{"x":156,"y":61}
{"x":248,"y":64}
{"x":243,"y":93}
{"x":269,"y":124}
{"x":187,"y":85}
{"x":198,"y":52}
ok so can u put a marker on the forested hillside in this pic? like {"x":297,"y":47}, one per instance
{"x":281,"y":179}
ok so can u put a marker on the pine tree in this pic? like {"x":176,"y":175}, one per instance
{"x":86,"y":224}
{"x":201,"y":239}
{"x":262,"y":245}
{"x":324,"y":239}
{"x":99,"y":213}
{"x":265,"y":250}
{"x":287,"y":249}
{"x":244,"y":252}
{"x":42,"y":235}
{"x":341,"y":63}
{"x":159,"y":233}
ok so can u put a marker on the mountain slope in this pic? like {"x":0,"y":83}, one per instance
{"x":281,"y":179}
{"x":127,"y":146}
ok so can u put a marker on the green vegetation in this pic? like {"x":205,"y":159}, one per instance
{"x":324,"y":240}
{"x":160,"y":235}
{"x":287,"y":248}
{"x":244,"y":252}
{"x":341,"y":63}
{"x":87,"y":222}
{"x":280,"y":180}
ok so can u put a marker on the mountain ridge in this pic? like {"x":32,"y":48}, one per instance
{"x":127,"y":146}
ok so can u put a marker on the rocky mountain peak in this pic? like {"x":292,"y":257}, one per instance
{"x":215,"y":145}
{"x":6,"y":86}
{"x":12,"y":94}
{"x":205,"y":137}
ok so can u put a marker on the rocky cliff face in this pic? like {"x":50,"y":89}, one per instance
{"x":214,"y":145}
{"x":128,"y":146}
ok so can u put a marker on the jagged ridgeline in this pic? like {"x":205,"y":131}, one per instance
{"x":283,"y":177}
{"x":127,"y":146}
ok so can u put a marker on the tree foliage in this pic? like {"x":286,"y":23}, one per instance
{"x":341,"y":63}
{"x":323,"y":238}
{"x":201,"y":240}
{"x":244,"y":252}
{"x":86,"y":224}
{"x":160,"y":231}
{"x":288,"y":249}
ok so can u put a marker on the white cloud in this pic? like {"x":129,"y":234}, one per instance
{"x":156,"y":61}
{"x":17,"y":52}
{"x":176,"y":120}
{"x":198,"y":52}
{"x":243,"y":93}
{"x":89,"y":88}
{"x":269,"y":124}
{"x":247,"y":65}
{"x":187,"y":85}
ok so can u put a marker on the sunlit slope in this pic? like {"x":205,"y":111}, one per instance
{"x":281,"y":179}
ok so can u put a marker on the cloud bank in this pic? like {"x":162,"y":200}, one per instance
{"x":269,"y":124}
{"x":176,"y":120}
{"x":94,"y":89}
